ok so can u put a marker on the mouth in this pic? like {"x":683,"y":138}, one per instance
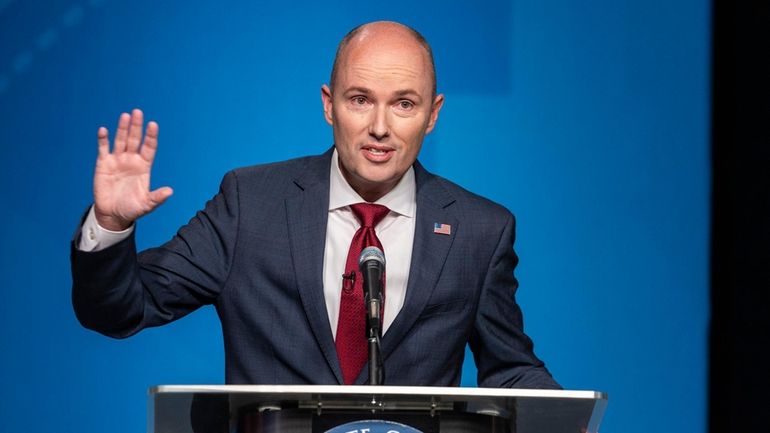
{"x":376,"y":153}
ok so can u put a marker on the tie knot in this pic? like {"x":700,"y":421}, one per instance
{"x":369,"y":214}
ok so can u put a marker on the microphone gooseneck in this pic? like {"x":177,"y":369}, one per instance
{"x":371,"y":262}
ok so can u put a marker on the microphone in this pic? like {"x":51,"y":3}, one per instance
{"x":371,"y":262}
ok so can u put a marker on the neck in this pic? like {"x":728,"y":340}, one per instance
{"x":369,"y":191}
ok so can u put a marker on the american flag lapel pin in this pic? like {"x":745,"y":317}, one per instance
{"x":442,"y":229}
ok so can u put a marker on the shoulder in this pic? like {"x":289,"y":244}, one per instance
{"x":466,"y":204}
{"x":276,"y":176}
{"x":283,"y":169}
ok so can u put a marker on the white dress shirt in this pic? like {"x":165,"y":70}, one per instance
{"x":395,"y":231}
{"x":94,"y":237}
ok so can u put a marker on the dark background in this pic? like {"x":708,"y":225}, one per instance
{"x":740,"y":243}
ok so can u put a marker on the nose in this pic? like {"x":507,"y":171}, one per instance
{"x":379,"y":127}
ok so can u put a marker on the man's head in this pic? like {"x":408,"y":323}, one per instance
{"x":357,"y":30}
{"x":381,"y":104}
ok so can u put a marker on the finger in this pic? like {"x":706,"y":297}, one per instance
{"x":104,"y":141}
{"x":135,"y":131}
{"x":160,"y":195}
{"x":120,"y":136}
{"x":150,"y":144}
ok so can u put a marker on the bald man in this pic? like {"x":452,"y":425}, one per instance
{"x":269,"y":251}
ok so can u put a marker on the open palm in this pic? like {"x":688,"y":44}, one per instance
{"x":122,"y":178}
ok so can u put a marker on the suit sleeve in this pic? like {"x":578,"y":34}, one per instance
{"x":503,"y":353}
{"x":118,"y":292}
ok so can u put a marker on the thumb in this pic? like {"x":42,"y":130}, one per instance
{"x":160,"y":195}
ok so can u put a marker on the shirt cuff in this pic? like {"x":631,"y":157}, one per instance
{"x":94,"y":238}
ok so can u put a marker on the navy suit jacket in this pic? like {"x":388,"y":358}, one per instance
{"x":256,"y":253}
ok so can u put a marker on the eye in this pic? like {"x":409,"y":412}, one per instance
{"x":405,"y":104}
{"x":359,"y":100}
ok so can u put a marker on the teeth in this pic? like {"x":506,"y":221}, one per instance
{"x":377,"y":151}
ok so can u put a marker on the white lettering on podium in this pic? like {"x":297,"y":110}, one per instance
{"x":368,"y":430}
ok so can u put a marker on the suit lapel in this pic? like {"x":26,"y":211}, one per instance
{"x":429,"y":252}
{"x":307,"y":212}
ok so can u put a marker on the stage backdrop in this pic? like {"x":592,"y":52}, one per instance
{"x":589,"y":120}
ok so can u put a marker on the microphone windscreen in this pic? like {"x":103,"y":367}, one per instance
{"x":371,"y":253}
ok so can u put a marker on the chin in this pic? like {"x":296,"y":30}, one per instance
{"x":377,"y":178}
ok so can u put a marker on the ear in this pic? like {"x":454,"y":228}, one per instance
{"x":326,"y":98}
{"x":438,"y":102}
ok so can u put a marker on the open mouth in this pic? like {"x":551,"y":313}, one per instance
{"x":376,"y":153}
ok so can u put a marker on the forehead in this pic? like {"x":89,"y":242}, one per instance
{"x":385,"y":63}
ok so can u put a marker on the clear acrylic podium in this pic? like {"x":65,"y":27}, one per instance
{"x":318,"y":409}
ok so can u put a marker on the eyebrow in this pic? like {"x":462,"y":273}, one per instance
{"x":398,"y":93}
{"x":363,"y":90}
{"x":407,"y":92}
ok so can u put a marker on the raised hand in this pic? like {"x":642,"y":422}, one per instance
{"x":122,"y":178}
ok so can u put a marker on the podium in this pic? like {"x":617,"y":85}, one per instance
{"x":370,"y":409}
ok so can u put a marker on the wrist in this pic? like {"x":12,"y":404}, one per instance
{"x":110,"y":222}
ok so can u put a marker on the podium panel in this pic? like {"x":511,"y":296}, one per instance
{"x":370,"y":409}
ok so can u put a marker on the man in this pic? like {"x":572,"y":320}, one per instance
{"x":269,"y":251}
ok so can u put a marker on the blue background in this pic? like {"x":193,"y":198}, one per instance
{"x":589,"y":120}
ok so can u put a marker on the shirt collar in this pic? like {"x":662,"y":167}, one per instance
{"x":401,"y":199}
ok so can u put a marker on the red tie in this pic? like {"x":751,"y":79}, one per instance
{"x":351,"y":326}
